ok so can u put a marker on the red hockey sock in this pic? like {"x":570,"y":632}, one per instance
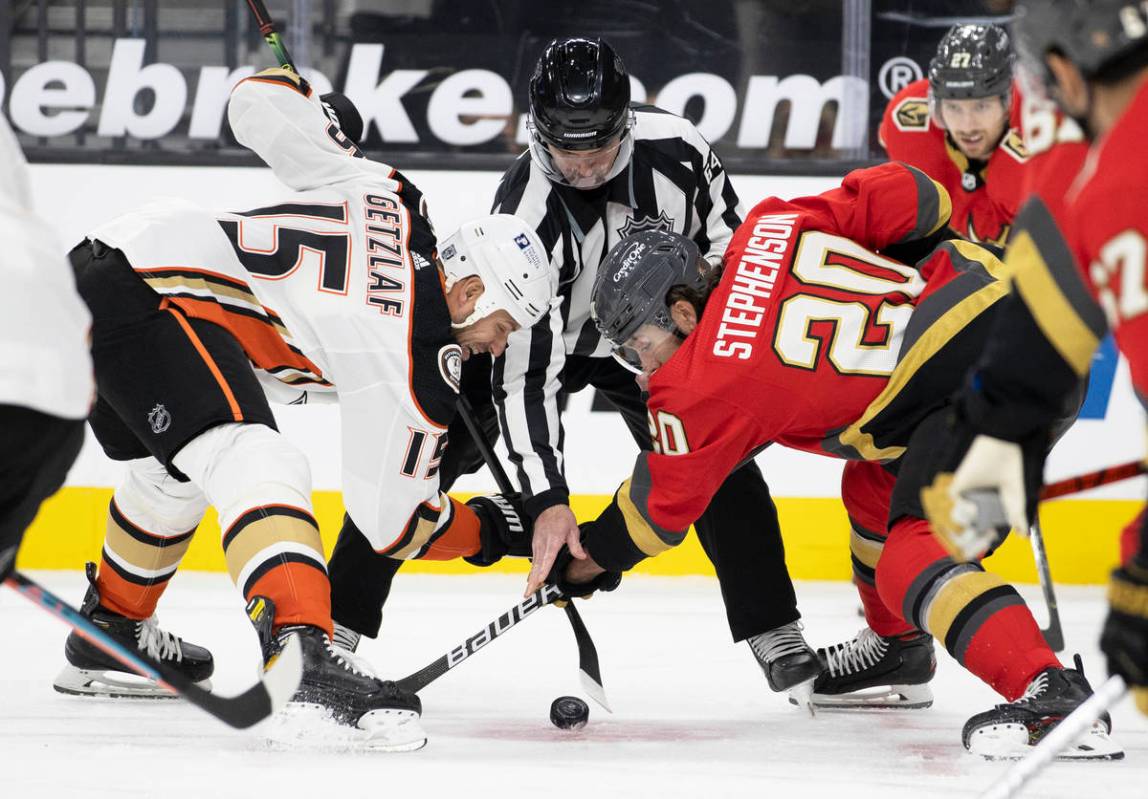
{"x":981,"y":620}
{"x":880,"y":619}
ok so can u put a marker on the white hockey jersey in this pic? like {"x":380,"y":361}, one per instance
{"x":44,"y":360}
{"x":335,"y":291}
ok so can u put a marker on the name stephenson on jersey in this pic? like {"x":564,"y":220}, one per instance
{"x":334,"y":292}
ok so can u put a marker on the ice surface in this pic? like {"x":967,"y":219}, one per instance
{"x":693,"y":715}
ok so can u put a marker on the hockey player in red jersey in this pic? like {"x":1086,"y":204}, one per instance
{"x":341,"y":294}
{"x":960,"y":127}
{"x":818,"y":335}
{"x":1079,"y":266}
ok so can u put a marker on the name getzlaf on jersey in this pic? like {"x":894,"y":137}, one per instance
{"x":985,"y":194}
{"x":333,"y":295}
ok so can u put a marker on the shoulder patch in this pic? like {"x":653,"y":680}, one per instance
{"x":450,"y":365}
{"x":1014,"y":145}
{"x":912,"y":114}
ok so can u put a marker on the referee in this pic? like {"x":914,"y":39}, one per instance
{"x":600,"y":168}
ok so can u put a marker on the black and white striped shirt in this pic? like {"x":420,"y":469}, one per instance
{"x":674,"y":182}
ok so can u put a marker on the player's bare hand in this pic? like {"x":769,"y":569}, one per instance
{"x":583,"y":571}
{"x":554,"y":528}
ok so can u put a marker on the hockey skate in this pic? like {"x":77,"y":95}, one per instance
{"x":872,"y":672}
{"x":789,"y":663}
{"x":346,"y":638}
{"x":92,"y":672}
{"x":338,"y":688}
{"x":1011,"y":730}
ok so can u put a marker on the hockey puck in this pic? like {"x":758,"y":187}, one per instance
{"x":569,"y":713}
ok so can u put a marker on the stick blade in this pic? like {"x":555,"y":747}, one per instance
{"x":595,"y":689}
{"x":589,"y":671}
{"x":281,"y":681}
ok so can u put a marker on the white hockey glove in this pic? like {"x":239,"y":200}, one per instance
{"x":972,"y":508}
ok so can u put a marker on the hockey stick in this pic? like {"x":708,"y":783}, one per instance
{"x":271,"y":35}
{"x":589,"y":671}
{"x":1068,"y":730}
{"x":1053,"y":634}
{"x":1086,"y":482}
{"x":420,"y":679}
{"x":273,"y":691}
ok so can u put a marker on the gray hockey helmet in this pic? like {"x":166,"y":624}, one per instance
{"x":972,"y":61}
{"x":635,"y":277}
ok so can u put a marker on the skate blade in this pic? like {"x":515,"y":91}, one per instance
{"x":802,"y":696}
{"x":304,"y":726}
{"x":1011,"y":741}
{"x":893,"y":697}
{"x":112,"y":684}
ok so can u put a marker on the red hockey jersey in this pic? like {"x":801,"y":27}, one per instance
{"x":985,"y":196}
{"x":800,"y":340}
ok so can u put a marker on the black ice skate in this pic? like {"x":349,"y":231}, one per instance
{"x":789,"y":663}
{"x":875,"y":672}
{"x":346,"y":638}
{"x":92,"y":672}
{"x":1011,"y":730}
{"x":384,"y":716}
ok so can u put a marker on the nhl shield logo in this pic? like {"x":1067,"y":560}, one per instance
{"x":450,"y":365}
{"x":637,"y":225}
{"x":159,"y":419}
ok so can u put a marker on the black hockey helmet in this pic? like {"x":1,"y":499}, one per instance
{"x":1098,"y":36}
{"x":972,"y":61}
{"x":634,"y":278}
{"x":580,"y":102}
{"x":579,"y":94}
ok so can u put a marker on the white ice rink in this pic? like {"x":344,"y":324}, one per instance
{"x":693,"y":716}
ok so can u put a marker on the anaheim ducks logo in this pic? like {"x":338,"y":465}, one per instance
{"x":450,"y":365}
{"x":912,"y":114}
{"x":637,"y":225}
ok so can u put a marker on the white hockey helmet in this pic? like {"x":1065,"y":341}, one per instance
{"x":512,"y":262}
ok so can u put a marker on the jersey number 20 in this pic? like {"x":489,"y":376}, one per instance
{"x":840,"y":263}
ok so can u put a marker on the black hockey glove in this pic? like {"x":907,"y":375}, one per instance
{"x":1125,"y":637}
{"x":606,"y":581}
{"x":342,"y":112}
{"x":984,"y":486}
{"x":504,"y":528}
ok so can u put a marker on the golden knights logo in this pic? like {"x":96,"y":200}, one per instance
{"x":637,"y":225}
{"x":912,"y":114}
{"x":998,"y":240}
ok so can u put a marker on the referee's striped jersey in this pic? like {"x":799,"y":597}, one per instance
{"x":674,"y":182}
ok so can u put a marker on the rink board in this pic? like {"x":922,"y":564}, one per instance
{"x":1081,"y":535}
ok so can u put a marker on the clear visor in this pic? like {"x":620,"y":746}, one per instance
{"x":583,"y":169}
{"x":646,"y":350}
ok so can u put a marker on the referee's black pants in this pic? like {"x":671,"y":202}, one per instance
{"x":739,"y":530}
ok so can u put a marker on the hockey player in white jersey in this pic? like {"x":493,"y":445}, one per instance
{"x":338,"y":294}
{"x":45,"y":370}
